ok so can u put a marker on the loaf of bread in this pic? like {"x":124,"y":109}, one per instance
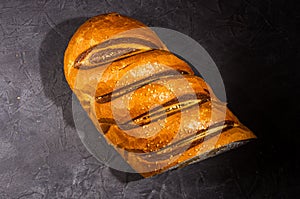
{"x":146,"y":101}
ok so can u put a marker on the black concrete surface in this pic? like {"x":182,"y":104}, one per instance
{"x":255,"y":45}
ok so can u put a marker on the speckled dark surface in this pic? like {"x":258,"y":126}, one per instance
{"x":254,"y":44}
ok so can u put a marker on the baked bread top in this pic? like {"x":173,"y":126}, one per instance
{"x":143,"y":98}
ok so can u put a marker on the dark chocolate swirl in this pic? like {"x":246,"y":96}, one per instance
{"x":112,"y":50}
{"x":138,"y":84}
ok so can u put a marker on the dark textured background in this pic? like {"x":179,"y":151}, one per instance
{"x":253,"y":42}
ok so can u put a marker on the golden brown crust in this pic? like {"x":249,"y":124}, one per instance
{"x":145,"y":100}
{"x":137,"y":67}
{"x":98,"y":29}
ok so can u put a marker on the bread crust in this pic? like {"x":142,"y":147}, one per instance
{"x":164,"y":102}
